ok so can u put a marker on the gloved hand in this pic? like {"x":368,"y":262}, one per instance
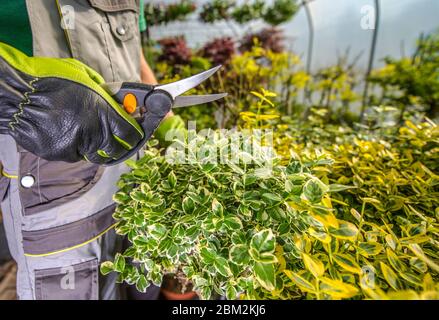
{"x":57,"y":109}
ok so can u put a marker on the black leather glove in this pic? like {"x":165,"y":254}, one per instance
{"x":57,"y":109}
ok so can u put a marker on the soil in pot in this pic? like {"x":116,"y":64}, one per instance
{"x":174,"y":288}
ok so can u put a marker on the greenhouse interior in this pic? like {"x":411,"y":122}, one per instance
{"x":219,"y":150}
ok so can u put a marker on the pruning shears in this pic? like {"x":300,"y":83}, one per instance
{"x":149,"y":104}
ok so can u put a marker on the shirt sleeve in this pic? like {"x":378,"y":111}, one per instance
{"x":142,"y":20}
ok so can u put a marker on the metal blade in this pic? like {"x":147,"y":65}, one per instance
{"x":187,"y":101}
{"x":177,"y":88}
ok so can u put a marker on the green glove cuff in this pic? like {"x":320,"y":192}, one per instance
{"x":174,"y":125}
{"x":68,"y":69}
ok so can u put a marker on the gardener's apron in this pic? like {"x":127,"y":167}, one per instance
{"x":57,"y":215}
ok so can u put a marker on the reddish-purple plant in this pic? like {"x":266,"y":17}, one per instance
{"x":268,"y":38}
{"x":219,"y":51}
{"x":175,"y":51}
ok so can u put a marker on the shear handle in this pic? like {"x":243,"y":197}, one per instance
{"x":157,"y":104}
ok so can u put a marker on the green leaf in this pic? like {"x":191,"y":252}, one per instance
{"x":231,"y":292}
{"x":141,"y":173}
{"x":313,"y":190}
{"x":165,"y":186}
{"x":313,"y":265}
{"x":141,"y":241}
{"x":324,"y":216}
{"x":119,"y":263}
{"x":418,"y":265}
{"x":390,"y":276}
{"x":232,"y":223}
{"x":142,"y":283}
{"x":236,"y":168}
{"x":200,"y":281}
{"x":356,"y":214}
{"x":131,"y":163}
{"x":156,"y":277}
{"x":148,"y":199}
{"x":301,"y":282}
{"x":121,"y":198}
{"x":217,"y":207}
{"x":265,"y":275}
{"x":262,"y":98}
{"x":155,"y":201}
{"x":145,"y":187}
{"x":337,"y":288}
{"x":157,"y":230}
{"x":403,"y":295}
{"x":294,"y":167}
{"x":139,"y":196}
{"x":249,"y":179}
{"x":244,"y":210}
{"x":172,"y":179}
{"x":239,"y":254}
{"x":239,"y":237}
{"x":417,"y":250}
{"x":193,"y":232}
{"x":208,"y":167}
{"x":395,"y":262}
{"x":265,"y":257}
{"x":222,"y":266}
{"x":165,"y":244}
{"x":339,"y":187}
{"x":107,"y":267}
{"x":205,"y":293}
{"x":323,"y":162}
{"x":428,"y":283}
{"x":271,"y":198}
{"x":416,"y":230}
{"x":148,"y":263}
{"x":369,"y":248}
{"x":263,"y":241}
{"x":391,"y":241}
{"x":319,"y":235}
{"x":346,"y":262}
{"x":375,"y":202}
{"x":130,"y":252}
{"x":188,"y":205}
{"x":208,"y":255}
{"x":277,"y":213}
{"x":411,"y":278}
{"x":122,"y":229}
{"x":345,"y":231}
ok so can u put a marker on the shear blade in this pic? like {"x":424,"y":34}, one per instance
{"x":187,"y":101}
{"x":177,"y":88}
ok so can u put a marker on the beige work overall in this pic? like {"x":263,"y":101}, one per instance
{"x":57,"y":215}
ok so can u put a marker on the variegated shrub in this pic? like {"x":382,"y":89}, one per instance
{"x":228,"y":228}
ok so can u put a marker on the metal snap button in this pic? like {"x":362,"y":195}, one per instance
{"x":121,"y":30}
{"x":27,"y":181}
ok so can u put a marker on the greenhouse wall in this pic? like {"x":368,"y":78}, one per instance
{"x":341,"y":27}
